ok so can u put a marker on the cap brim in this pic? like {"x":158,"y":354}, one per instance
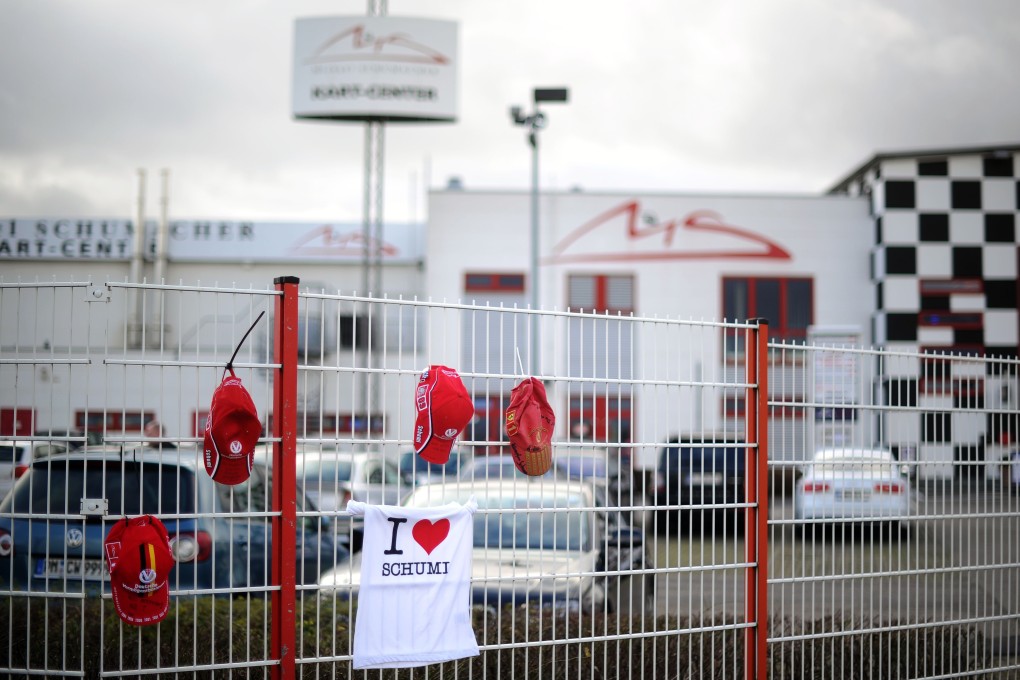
{"x":138,"y":610}
{"x":436,"y":450}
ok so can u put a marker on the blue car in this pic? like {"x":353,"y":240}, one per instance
{"x":54,"y":522}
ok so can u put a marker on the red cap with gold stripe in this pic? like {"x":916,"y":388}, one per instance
{"x":139,"y":559}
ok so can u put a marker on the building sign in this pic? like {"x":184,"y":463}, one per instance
{"x":48,"y":238}
{"x":835,"y":372}
{"x":375,"y":68}
{"x":642,"y":236}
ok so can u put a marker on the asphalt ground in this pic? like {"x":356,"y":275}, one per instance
{"x":955,"y":561}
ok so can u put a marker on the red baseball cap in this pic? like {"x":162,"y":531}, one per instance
{"x":530,"y":422}
{"x":139,"y":559}
{"x":231,"y":432}
{"x":444,"y":410}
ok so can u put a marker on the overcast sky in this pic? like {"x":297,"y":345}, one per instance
{"x":747,"y":96}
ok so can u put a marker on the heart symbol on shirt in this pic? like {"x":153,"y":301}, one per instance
{"x":430,"y":534}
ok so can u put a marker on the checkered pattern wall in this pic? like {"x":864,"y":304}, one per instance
{"x":945,"y":269}
{"x":945,"y":257}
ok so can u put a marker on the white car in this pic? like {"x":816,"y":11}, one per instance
{"x":852,"y":485}
{"x":17,"y":456}
{"x":536,"y":541}
{"x":330,"y":478}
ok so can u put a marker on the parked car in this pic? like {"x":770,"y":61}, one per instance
{"x":54,"y":521}
{"x":500,"y":467}
{"x":75,"y":439}
{"x":416,"y":470}
{"x":700,"y":480}
{"x":17,"y":456}
{"x":852,"y":485}
{"x":569,"y":554}
{"x":331,"y":478}
{"x":603,"y":468}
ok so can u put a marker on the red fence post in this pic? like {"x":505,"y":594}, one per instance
{"x":756,"y":491}
{"x":284,"y":546}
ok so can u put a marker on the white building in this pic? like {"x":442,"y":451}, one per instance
{"x":911,"y":251}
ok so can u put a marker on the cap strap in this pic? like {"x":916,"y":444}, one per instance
{"x":230,"y":364}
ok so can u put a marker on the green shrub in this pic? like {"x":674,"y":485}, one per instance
{"x":53,"y":634}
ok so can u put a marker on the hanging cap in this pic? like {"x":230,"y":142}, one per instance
{"x":231,"y":432}
{"x":530,"y":422}
{"x":139,"y":559}
{"x":444,"y":410}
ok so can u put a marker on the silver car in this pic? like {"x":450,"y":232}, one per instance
{"x":16,"y":458}
{"x":537,"y":541}
{"x":332,"y":477}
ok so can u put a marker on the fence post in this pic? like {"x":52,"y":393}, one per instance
{"x":756,"y":493}
{"x":284,"y":537}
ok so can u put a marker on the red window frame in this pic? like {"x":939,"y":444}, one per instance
{"x":601,"y":286}
{"x":597,"y":419}
{"x":504,"y":282}
{"x":112,"y":421}
{"x":327,"y":424}
{"x":779,"y":329}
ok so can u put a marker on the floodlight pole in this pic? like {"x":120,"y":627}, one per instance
{"x":534,"y":123}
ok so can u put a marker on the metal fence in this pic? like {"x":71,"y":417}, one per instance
{"x":692,"y":552}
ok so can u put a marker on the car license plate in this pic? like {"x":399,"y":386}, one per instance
{"x":704,"y":479}
{"x":853,"y":495}
{"x":87,"y":569}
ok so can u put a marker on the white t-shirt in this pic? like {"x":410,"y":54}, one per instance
{"x":414,"y":603}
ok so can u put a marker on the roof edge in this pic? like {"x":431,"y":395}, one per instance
{"x":1012,"y":147}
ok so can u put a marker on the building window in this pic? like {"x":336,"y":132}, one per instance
{"x":492,"y":337}
{"x":600,"y":347}
{"x":112,"y":421}
{"x":786,"y":303}
{"x":314,"y":425}
{"x":353,"y":331}
{"x":937,"y":319}
{"x":600,"y":419}
{"x":601,"y":293}
{"x":480,"y":282}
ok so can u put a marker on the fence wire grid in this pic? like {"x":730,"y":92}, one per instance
{"x":722,"y":504}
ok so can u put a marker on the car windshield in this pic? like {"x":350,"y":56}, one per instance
{"x":499,"y":469}
{"x":584,"y":467}
{"x":855,"y":467}
{"x":326,"y":470}
{"x":720,"y":459}
{"x":518,"y":518}
{"x":531,"y":523}
{"x":57,"y":487}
